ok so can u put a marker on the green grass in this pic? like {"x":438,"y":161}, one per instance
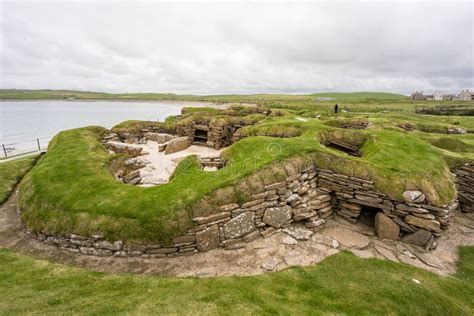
{"x":11,"y":172}
{"x":340,"y":284}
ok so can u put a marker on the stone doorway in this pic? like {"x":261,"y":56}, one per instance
{"x":200,"y":136}
{"x":345,"y":147}
{"x":367,"y":216}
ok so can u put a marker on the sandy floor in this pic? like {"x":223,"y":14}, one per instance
{"x":160,"y":166}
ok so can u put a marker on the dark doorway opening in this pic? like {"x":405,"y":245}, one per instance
{"x":347,"y":148}
{"x":200,"y":136}
{"x":367,"y":216}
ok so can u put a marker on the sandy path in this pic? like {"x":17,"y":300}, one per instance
{"x":276,"y":252}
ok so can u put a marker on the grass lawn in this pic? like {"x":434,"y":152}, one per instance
{"x":11,"y":172}
{"x":340,"y":284}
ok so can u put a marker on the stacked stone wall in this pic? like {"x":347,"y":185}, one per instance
{"x":465,"y":186}
{"x":219,"y":134}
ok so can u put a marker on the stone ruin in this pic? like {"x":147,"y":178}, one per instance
{"x":212,"y":163}
{"x":465,"y":186}
{"x":309,"y":198}
{"x":152,"y":162}
{"x":214,"y":134}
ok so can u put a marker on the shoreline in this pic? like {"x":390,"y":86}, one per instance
{"x":120,"y":100}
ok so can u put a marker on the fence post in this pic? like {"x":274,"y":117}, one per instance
{"x":4,"y":150}
{"x":38,"y":141}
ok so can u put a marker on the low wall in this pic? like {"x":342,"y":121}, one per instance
{"x":310,"y":197}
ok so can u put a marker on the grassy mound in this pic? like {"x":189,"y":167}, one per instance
{"x":340,"y":284}
{"x":11,"y":172}
{"x":287,"y":129}
{"x":452,"y":144}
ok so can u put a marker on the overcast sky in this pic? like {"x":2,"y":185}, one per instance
{"x":208,"y":48}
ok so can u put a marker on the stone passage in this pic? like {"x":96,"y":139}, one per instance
{"x":465,"y":186}
{"x":309,"y":197}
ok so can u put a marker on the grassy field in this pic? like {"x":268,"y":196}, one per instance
{"x":88,"y":95}
{"x":341,"y":284}
{"x":11,"y":172}
{"x":73,"y":190}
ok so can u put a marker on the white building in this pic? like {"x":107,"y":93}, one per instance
{"x":465,"y":95}
{"x":437,"y":96}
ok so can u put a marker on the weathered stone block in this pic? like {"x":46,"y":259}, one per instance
{"x":176,"y":145}
{"x":428,"y":224}
{"x":208,"y":239}
{"x":411,"y":209}
{"x":162,"y":250}
{"x":160,"y":138}
{"x":253,"y":203}
{"x":419,"y":237}
{"x":211,"y":218}
{"x":184,"y":239}
{"x":229,"y":207}
{"x":240,"y":225}
{"x":277,"y":216}
{"x":122,"y":148}
{"x":368,"y":198}
{"x":385,"y":227}
{"x":115,"y":246}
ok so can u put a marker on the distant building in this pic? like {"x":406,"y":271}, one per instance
{"x":465,"y":95}
{"x":437,"y":95}
{"x":417,"y":96}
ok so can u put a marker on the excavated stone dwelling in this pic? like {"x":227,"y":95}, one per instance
{"x":215,"y":134}
{"x":211,"y":131}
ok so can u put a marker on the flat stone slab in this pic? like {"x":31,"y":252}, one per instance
{"x":270,"y":264}
{"x":347,"y":238}
{"x":386,"y":253}
{"x":288,"y":240}
{"x":298,"y":232}
{"x":364,"y":254}
{"x":325,"y":240}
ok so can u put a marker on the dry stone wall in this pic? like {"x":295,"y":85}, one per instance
{"x":465,"y":186}
{"x":309,"y":197}
{"x":213,"y":134}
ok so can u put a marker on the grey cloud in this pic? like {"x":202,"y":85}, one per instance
{"x":237,"y":48}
